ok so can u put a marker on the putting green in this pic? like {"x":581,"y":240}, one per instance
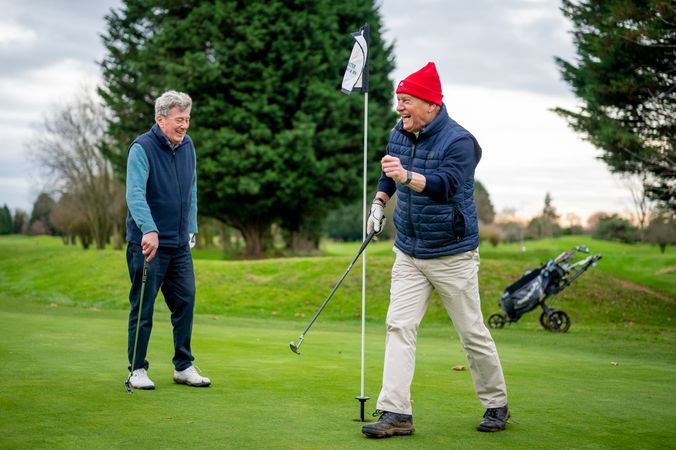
{"x":64,"y":369}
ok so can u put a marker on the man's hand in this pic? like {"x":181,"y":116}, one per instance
{"x":193,"y":240}
{"x":392,"y":167}
{"x":149,"y":245}
{"x":376,"y":220}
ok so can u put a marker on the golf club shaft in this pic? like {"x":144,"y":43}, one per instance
{"x":321,"y":308}
{"x":140,"y":309}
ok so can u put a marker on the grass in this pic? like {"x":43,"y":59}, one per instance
{"x":639,"y":263}
{"x":577,"y":390}
{"x":608,"y":383}
{"x":43,"y":270}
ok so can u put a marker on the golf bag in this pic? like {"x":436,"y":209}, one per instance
{"x":535,"y":286}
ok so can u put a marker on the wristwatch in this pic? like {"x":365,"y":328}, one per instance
{"x":409,"y":178}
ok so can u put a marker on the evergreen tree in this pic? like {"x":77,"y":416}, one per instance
{"x":484,"y":206}
{"x":20,"y":222}
{"x":549,"y":218}
{"x":625,"y":77}
{"x":39,"y":221}
{"x":277,"y":141}
{"x":6,"y":221}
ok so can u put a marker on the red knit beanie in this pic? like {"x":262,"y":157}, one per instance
{"x":423,"y":84}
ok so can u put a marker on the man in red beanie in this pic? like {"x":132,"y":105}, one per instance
{"x":430,"y":164}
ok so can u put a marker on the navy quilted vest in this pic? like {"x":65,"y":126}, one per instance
{"x":169,"y":188}
{"x":427,"y":228}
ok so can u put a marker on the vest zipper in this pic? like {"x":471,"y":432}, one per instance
{"x":410,"y":205}
{"x":180,"y":195}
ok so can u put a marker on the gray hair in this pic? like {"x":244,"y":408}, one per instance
{"x":169,"y":99}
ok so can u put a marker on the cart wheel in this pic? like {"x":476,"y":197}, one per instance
{"x":544,"y":321}
{"x":496,"y":320}
{"x":558,"y":321}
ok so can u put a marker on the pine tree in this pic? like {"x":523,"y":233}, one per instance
{"x":549,"y":218}
{"x":39,"y":221}
{"x":484,"y":206}
{"x":5,"y":220}
{"x":624,"y":75}
{"x":277,"y":141}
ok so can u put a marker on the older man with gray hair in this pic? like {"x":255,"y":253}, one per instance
{"x":161,"y":228}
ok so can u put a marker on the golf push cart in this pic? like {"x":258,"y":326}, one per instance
{"x":537,"y":285}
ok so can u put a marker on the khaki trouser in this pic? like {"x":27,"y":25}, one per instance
{"x":455,"y":278}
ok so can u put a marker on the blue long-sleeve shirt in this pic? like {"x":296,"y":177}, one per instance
{"x":137,"y":178}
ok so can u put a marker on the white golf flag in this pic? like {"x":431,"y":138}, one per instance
{"x":353,"y":80}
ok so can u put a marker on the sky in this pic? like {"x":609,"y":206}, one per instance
{"x":495,"y":59}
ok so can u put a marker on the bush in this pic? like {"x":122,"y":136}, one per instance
{"x":490,"y":233}
{"x":662,"y":231}
{"x":615,"y":228}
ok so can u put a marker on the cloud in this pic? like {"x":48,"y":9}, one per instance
{"x":505,"y":44}
{"x":40,"y":33}
{"x":26,"y":101}
{"x":529,"y":151}
{"x":13,"y":34}
{"x":48,"y":51}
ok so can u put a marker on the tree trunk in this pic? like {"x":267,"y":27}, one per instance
{"x":301,"y":243}
{"x":256,"y":239}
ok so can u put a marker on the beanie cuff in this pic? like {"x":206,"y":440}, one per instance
{"x":419,"y":91}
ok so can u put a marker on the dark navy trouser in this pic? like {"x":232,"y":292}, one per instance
{"x":171,"y":271}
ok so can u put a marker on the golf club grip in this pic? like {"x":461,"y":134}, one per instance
{"x":145,"y":271}
{"x":335,"y":288}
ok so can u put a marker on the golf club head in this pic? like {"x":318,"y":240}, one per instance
{"x":127,"y":385}
{"x":294,"y":348}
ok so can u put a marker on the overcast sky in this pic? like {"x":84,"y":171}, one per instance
{"x":495,"y":59}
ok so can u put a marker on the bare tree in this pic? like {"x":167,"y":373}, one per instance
{"x":662,"y":230}
{"x":67,"y":146}
{"x":68,"y":217}
{"x":643,"y":207}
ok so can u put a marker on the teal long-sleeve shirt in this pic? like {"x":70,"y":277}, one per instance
{"x":137,"y":178}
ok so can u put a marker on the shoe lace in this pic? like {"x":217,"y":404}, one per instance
{"x":377,"y":413}
{"x":493,"y":413}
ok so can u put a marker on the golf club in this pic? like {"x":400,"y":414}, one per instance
{"x":127,"y":383}
{"x":296,"y":347}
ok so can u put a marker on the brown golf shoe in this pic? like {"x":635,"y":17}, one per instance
{"x":495,"y":419}
{"x":390,"y":424}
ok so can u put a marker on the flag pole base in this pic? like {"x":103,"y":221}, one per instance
{"x":362,"y":399}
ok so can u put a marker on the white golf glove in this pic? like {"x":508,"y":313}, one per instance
{"x":193,"y":240}
{"x":376,"y":220}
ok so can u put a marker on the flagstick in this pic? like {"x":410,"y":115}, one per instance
{"x":356,"y":78}
{"x":362,"y":399}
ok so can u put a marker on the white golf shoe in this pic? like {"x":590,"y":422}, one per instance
{"x":139,"y":380}
{"x":190,"y":377}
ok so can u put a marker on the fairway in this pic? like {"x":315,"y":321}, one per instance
{"x":67,"y":367}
